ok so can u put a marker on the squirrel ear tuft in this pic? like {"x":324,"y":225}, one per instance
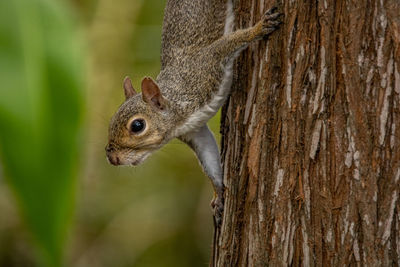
{"x":152,"y":94}
{"x":128,"y":88}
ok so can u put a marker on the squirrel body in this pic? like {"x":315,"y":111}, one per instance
{"x":199,"y":47}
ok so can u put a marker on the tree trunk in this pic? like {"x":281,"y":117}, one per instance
{"x":311,"y":138}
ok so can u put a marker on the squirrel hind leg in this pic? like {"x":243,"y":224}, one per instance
{"x":204,"y":145}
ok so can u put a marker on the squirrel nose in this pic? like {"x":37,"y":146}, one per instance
{"x":109,"y":148}
{"x":112,"y":157}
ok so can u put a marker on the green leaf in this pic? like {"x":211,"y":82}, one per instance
{"x":41,"y":104}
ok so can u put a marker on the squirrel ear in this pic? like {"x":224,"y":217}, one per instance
{"x":152,"y":94}
{"x":128,"y":88}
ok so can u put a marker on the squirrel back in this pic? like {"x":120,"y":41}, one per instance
{"x":191,"y":23}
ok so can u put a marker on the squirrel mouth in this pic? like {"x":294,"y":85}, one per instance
{"x":140,"y":160}
{"x":136,"y":162}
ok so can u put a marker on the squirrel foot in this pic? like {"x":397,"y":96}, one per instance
{"x":217,"y":204}
{"x":270,"y":21}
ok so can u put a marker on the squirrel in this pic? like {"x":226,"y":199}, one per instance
{"x":197,"y":54}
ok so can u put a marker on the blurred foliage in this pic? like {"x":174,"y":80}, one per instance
{"x":40,"y":113}
{"x":156,"y":214}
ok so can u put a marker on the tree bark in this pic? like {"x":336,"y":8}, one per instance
{"x":311,"y":141}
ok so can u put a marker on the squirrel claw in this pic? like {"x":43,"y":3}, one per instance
{"x":217,"y":204}
{"x":270,"y":21}
{"x":271,"y":16}
{"x":271,"y":10}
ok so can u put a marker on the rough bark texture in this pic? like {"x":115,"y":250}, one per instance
{"x":311,"y":139}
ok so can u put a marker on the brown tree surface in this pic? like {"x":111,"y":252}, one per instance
{"x":311,"y":145}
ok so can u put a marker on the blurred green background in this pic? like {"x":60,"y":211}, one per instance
{"x":62,"y":63}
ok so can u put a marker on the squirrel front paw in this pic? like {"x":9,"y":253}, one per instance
{"x":269,"y":22}
{"x":217,"y":204}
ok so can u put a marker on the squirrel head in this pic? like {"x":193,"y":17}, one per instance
{"x":140,"y":125}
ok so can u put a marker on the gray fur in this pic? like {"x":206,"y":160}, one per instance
{"x":198,"y":49}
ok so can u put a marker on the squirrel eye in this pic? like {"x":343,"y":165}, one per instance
{"x":138,"y":125}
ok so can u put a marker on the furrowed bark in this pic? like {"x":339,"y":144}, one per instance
{"x":311,"y":142}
